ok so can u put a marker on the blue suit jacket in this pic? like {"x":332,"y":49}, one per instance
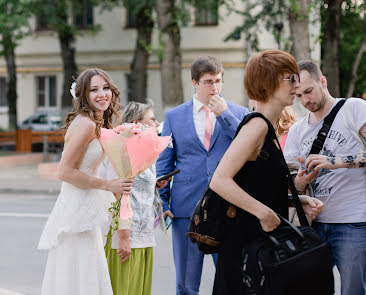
{"x":188,"y":154}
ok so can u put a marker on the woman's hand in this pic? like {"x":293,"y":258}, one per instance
{"x":124,"y":248}
{"x":162,"y":183}
{"x":269,"y":220}
{"x":168,"y":213}
{"x":120,"y":186}
{"x":312,"y":206}
{"x":304,"y":177}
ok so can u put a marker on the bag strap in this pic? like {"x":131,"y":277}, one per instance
{"x":300,"y":211}
{"x":295,"y":195}
{"x":315,"y":149}
{"x":323,"y":132}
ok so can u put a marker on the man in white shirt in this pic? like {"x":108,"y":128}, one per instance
{"x":202,"y":129}
{"x":337,"y":174}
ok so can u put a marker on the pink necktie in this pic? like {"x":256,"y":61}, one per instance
{"x":208,"y":128}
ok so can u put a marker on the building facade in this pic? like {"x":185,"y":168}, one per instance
{"x":39,"y":65}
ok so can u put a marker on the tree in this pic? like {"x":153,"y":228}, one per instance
{"x":142,"y":13}
{"x":65,"y":17}
{"x":144,"y":25}
{"x":299,"y":27}
{"x":271,"y":15}
{"x":330,"y":20}
{"x":14,"y":26}
{"x":170,"y":54}
{"x":352,"y":46}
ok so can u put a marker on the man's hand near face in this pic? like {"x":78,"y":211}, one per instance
{"x":217,"y":105}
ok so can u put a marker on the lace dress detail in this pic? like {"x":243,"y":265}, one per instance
{"x":76,"y":262}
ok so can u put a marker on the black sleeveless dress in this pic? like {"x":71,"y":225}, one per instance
{"x":265,"y":180}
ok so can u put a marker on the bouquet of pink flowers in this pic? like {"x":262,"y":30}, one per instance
{"x":131,"y":149}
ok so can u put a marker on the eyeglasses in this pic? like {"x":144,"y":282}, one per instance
{"x":293,"y":79}
{"x":210,"y":83}
{"x":151,"y":118}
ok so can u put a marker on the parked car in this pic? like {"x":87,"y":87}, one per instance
{"x":42,"y":121}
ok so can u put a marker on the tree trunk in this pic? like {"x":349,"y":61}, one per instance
{"x":69,"y":67}
{"x":329,"y":46}
{"x":66,"y":38}
{"x":299,"y":26}
{"x":12,"y":80}
{"x":138,"y":76}
{"x":356,"y":63}
{"x":170,"y":59}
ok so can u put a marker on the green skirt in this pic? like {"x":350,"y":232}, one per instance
{"x":134,"y":276}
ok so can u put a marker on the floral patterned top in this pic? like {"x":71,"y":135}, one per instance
{"x":142,"y":198}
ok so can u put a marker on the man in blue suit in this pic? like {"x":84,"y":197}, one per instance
{"x":202,"y":129}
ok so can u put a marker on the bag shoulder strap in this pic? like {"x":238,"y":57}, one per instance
{"x":272,"y":134}
{"x":323,"y":132}
{"x":252,"y":115}
{"x":300,"y":211}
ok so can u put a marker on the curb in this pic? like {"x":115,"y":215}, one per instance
{"x":28,"y":192}
{"x":9,"y":292}
{"x":21,"y":159}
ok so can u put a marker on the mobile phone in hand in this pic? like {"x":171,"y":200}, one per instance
{"x":166,"y":176}
{"x":168,"y":221}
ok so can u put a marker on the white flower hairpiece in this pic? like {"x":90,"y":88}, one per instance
{"x":72,"y":90}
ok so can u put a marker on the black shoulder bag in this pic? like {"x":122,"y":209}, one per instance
{"x":291,"y":260}
{"x":208,"y":219}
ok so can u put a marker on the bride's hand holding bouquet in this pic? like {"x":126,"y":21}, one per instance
{"x":131,"y":148}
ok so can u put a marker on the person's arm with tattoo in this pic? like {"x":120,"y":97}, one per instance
{"x":327,"y":162}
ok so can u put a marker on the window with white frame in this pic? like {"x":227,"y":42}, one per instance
{"x":46,"y":91}
{"x":3,"y":90}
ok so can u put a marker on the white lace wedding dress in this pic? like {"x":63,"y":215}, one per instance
{"x":76,"y":261}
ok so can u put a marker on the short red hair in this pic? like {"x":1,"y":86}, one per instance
{"x":264,"y":70}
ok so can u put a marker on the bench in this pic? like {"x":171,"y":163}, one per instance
{"x":24,"y":138}
{"x":7,"y":138}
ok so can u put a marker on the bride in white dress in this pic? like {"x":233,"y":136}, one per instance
{"x":76,"y":261}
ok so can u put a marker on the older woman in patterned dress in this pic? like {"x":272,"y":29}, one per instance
{"x":129,"y":252}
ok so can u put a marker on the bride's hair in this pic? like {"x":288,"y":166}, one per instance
{"x":82,"y":106}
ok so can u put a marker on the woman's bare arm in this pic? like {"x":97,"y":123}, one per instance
{"x":245,"y":147}
{"x":81,"y":132}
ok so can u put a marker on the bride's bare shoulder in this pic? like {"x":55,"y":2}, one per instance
{"x":81,"y":126}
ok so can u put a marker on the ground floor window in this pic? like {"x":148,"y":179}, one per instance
{"x":3,"y":89}
{"x":46,"y":91}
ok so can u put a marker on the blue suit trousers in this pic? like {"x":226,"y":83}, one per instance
{"x":188,"y":260}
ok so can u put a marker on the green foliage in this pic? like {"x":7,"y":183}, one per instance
{"x":14,"y":26}
{"x":134,"y":6}
{"x":58,"y":13}
{"x":352,"y":32}
{"x":269,"y":13}
{"x":115,"y":210}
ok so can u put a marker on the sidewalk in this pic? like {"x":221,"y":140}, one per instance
{"x":20,"y":174}
{"x":8,"y":292}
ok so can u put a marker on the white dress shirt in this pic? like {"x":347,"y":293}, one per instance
{"x":199,"y":118}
